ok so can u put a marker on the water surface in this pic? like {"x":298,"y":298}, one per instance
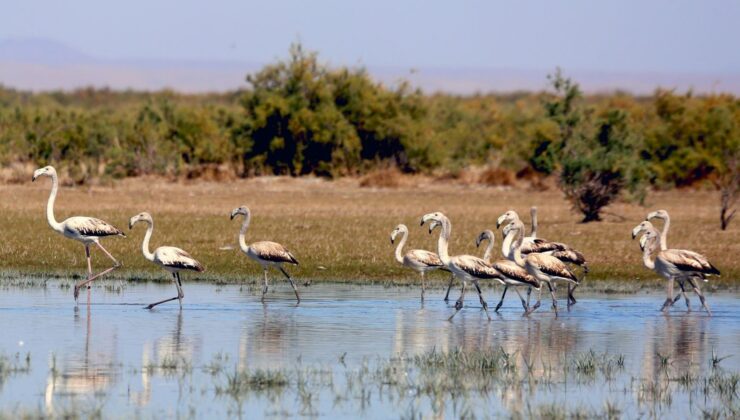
{"x":117,"y":359}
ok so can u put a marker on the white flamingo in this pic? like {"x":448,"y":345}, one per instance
{"x":465,"y":267}
{"x":418,"y":260}
{"x":170,"y":258}
{"x":533,"y":244}
{"x":87,"y":230}
{"x":663,"y":215}
{"x":512,"y":275}
{"x":673,"y":263}
{"x":266,"y":253}
{"x":543,"y":267}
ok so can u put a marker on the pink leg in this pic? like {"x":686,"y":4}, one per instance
{"x":179,"y":296}
{"x":90,"y":278}
{"x":76,"y":293}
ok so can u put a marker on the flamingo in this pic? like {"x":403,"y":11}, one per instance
{"x":465,"y":267}
{"x":673,"y":263}
{"x":532,"y":243}
{"x":266,"y":253}
{"x":418,"y":260}
{"x":545,"y":268}
{"x":87,"y":230}
{"x":663,"y":215}
{"x":170,"y":258}
{"x":512,"y":275}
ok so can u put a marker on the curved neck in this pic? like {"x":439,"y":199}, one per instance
{"x":533,"y":213}
{"x":489,"y":250}
{"x":443,"y":242}
{"x":399,"y":248}
{"x":664,"y":233}
{"x":145,"y":244}
{"x":243,"y":232}
{"x":507,"y":247}
{"x":646,"y":257}
{"x":50,"y":205}
{"x":518,"y":249}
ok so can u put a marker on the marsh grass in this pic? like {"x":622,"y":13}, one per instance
{"x":170,"y":365}
{"x":242,"y":382}
{"x":337,"y":230}
{"x":14,"y":365}
{"x":435,"y":383}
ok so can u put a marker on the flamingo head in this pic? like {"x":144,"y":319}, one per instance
{"x":658,"y":214}
{"x":486,"y":235}
{"x":507,"y":217}
{"x":399,"y":229}
{"x":435,"y":219}
{"x":141,"y":217}
{"x":45,"y":171}
{"x":239,"y":210}
{"x":644,"y":226}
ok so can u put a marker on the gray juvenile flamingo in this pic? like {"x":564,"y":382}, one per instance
{"x":266,"y":253}
{"x":170,"y":258}
{"x":465,"y":267}
{"x":673,"y":264}
{"x":418,"y":260}
{"x":87,"y":230}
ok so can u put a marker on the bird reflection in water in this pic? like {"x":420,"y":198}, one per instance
{"x":171,"y":354}
{"x":89,"y":372}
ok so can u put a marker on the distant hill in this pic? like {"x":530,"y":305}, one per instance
{"x":39,"y":64}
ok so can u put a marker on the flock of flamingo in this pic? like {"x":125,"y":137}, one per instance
{"x":528,"y":262}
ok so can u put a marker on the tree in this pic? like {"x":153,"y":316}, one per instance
{"x":723,"y":127}
{"x":305,"y":118}
{"x":595,"y":155}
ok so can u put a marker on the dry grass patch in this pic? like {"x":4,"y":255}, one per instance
{"x":337,"y":225}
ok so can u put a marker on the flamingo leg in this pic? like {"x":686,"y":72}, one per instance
{"x":292,"y":284}
{"x":459,"y":302}
{"x":554,"y":300}
{"x":571,"y":299}
{"x":683,"y":293}
{"x":180,"y":293}
{"x":76,"y":293}
{"x":537,"y":304}
{"x":480,"y":297}
{"x":669,"y":300}
{"x":90,"y":277}
{"x":501,"y":302}
{"x":152,"y":305}
{"x":179,"y":296}
{"x":422,"y":287}
{"x":525,"y":305}
{"x":701,"y":296}
{"x":449,"y":286}
{"x":264,"y":285}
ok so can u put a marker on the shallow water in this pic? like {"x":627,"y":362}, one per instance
{"x":115,"y":358}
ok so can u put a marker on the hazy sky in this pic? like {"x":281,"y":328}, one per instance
{"x":625,"y":35}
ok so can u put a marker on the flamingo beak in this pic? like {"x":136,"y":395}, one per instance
{"x":500,"y":221}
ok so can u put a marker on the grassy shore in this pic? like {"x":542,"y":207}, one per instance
{"x":337,"y":230}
